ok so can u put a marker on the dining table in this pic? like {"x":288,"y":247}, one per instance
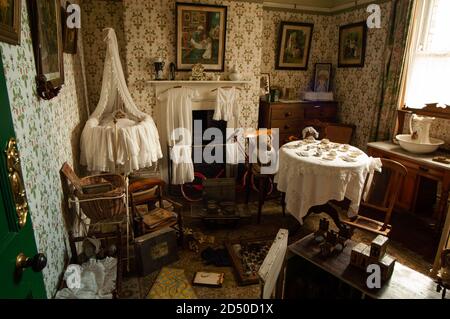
{"x":311,"y":173}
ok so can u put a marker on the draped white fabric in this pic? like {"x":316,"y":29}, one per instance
{"x":135,"y":140}
{"x":428,"y":61}
{"x":178,"y":111}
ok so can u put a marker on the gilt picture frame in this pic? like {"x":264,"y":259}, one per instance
{"x":201,"y":36}
{"x":352,"y":45}
{"x":294,"y":45}
{"x":45,"y":18}
{"x":10,"y":21}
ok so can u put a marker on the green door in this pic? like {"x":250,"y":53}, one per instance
{"x":20,"y":265}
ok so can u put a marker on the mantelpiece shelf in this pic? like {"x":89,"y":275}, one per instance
{"x":176,"y":82}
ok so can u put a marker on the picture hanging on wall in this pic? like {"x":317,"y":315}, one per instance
{"x":322,"y":77}
{"x":48,"y":47}
{"x":352,"y":45}
{"x":294,"y":45}
{"x":10,"y":21}
{"x":70,"y":35}
{"x":201,"y":34}
{"x":264,"y":84}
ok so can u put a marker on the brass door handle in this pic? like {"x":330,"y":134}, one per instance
{"x":288,"y":114}
{"x":16,"y":181}
{"x":37,"y":263}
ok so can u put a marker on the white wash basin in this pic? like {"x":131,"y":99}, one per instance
{"x":410,"y":145}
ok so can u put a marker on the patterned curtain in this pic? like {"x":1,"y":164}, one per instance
{"x":394,"y":66}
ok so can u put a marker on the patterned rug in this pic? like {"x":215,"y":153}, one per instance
{"x":272,"y":220}
{"x":171,"y":283}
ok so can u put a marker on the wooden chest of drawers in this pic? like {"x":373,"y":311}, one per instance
{"x":289,"y":118}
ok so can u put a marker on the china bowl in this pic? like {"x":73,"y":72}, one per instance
{"x":410,"y":145}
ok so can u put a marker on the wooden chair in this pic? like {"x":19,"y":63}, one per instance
{"x":335,"y":132}
{"x":380,"y":195}
{"x":148,"y":191}
{"x":255,"y":171}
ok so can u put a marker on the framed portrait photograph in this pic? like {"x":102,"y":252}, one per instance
{"x":201,"y":36}
{"x":69,"y":35}
{"x":264,"y":84}
{"x":48,"y":47}
{"x":10,"y":21}
{"x":352,"y":45}
{"x":294,"y":45}
{"x":322,"y":77}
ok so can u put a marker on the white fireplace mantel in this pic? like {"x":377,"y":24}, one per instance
{"x":205,"y":100}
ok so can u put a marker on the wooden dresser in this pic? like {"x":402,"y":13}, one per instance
{"x":290,"y":118}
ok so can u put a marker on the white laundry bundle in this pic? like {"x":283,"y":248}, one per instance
{"x":95,"y":279}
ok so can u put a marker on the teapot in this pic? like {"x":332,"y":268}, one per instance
{"x":420,"y":128}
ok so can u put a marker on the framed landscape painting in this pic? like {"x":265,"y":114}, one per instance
{"x":294,"y":45}
{"x":201,"y":34}
{"x":352,"y":45}
{"x":10,"y":13}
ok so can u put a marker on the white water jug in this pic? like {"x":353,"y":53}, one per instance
{"x":420,"y":128}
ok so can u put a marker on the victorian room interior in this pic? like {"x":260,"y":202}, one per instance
{"x":225,"y":149}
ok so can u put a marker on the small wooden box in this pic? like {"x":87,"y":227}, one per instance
{"x":387,"y":267}
{"x":357,"y":255}
{"x":155,"y":250}
{"x":378,"y":247}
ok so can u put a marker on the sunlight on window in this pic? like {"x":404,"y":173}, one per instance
{"x":429,"y":57}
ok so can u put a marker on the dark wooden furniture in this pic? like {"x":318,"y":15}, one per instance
{"x":291,"y":118}
{"x":255,"y":171}
{"x":308,"y":275}
{"x":148,"y":191}
{"x":418,"y":167}
{"x":382,"y":193}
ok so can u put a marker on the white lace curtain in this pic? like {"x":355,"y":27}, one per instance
{"x":429,"y":55}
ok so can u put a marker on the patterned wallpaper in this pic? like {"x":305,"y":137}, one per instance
{"x":48,"y":134}
{"x":357,"y":89}
{"x":97,"y":15}
{"x":150,"y":32}
{"x":321,"y":48}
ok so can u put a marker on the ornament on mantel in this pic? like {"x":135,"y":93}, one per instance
{"x":235,"y":75}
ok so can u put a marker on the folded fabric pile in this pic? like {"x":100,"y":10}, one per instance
{"x":95,"y":279}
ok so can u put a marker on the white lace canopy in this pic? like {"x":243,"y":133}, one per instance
{"x":132,"y":143}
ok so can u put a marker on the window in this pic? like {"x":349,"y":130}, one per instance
{"x":428,"y":65}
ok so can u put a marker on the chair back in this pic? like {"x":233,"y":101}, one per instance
{"x":382,"y":188}
{"x":339,"y":133}
{"x":272,"y":267}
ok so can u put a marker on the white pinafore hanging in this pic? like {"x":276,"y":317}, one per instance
{"x":130,"y":144}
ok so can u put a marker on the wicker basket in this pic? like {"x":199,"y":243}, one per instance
{"x":104,"y":205}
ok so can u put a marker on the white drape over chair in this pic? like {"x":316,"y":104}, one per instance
{"x":132,"y":143}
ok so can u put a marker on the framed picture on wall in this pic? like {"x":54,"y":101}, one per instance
{"x":48,"y":47}
{"x":201,"y":36}
{"x":10,"y":21}
{"x":69,"y":35}
{"x":322,"y":77}
{"x":264,"y":84}
{"x":294,"y":45}
{"x":352,"y":45}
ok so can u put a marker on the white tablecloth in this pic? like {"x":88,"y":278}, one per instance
{"x":311,"y":181}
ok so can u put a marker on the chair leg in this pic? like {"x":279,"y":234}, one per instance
{"x":283,"y":203}
{"x":248,"y":187}
{"x":262,"y":195}
{"x":180,"y":229}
